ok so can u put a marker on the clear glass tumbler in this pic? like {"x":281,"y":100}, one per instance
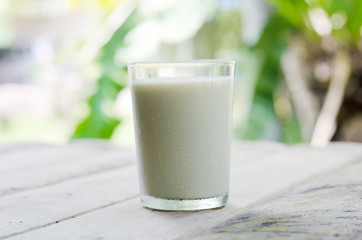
{"x":182,"y":119}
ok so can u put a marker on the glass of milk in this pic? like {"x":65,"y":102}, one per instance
{"x":182,"y":119}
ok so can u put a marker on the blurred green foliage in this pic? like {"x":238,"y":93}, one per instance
{"x":262,"y":116}
{"x":287,"y":20}
{"x":99,"y":123}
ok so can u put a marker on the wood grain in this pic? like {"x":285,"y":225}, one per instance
{"x":326,"y":207}
{"x":38,"y":167}
{"x":13,"y":147}
{"x":52,"y":202}
{"x":24,"y":167}
{"x":250,"y":182}
{"x":43,"y":206}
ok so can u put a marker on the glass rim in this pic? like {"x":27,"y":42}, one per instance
{"x":180,"y":62}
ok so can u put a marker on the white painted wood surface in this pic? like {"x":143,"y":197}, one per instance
{"x":89,"y":190}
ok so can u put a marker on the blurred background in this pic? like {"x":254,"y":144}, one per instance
{"x":63,"y":69}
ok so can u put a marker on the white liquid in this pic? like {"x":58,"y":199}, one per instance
{"x":183,"y":134}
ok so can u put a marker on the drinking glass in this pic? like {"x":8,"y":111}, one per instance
{"x":182,"y":121}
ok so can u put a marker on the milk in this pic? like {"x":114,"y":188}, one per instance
{"x":183,"y":134}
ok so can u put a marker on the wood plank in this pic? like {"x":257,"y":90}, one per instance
{"x":249,"y":183}
{"x":293,"y":165}
{"x":10,"y":147}
{"x":327,"y":207}
{"x":20,"y":156}
{"x":252,"y":150}
{"x":16,"y":156}
{"x":49,"y":165}
{"x":59,"y":164}
{"x":30,"y":209}
{"x":39,"y":207}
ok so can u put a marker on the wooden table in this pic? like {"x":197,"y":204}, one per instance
{"x":89,"y":190}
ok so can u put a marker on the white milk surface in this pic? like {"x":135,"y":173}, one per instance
{"x":183,"y":134}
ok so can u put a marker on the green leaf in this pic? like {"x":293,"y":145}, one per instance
{"x":263,"y":122}
{"x":96,"y":126}
{"x":99,"y":123}
{"x":293,"y":11}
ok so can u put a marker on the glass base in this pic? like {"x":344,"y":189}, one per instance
{"x":183,"y":204}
